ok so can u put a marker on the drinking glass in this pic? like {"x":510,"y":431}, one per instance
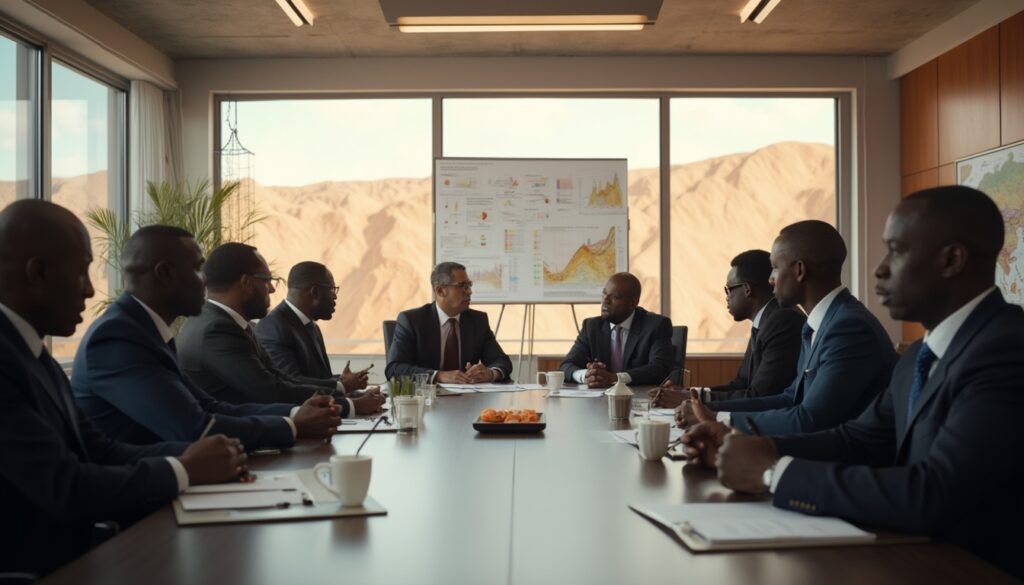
{"x":640,"y":409}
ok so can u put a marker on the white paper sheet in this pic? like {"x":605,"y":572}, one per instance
{"x":569,"y":393}
{"x":241,"y":500}
{"x":265,"y":481}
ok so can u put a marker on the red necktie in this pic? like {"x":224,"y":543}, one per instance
{"x":451,"y":347}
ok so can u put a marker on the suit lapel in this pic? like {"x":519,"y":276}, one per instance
{"x":432,"y":327}
{"x":304,"y":332}
{"x":636,"y":329}
{"x":135,"y":311}
{"x":811,"y":361}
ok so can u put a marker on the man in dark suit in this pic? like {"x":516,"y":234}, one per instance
{"x":846,"y":358}
{"x":218,"y":348}
{"x":774,"y":346}
{"x":439,"y":337}
{"x":289,"y":334}
{"x":126,"y":377}
{"x":625,"y":339}
{"x":937,"y":452}
{"x":59,"y":475}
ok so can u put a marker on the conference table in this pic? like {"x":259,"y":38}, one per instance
{"x":463,"y":507}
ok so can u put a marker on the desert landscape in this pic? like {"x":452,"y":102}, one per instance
{"x":376,"y":237}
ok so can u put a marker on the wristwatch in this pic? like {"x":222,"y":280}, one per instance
{"x":767,"y":477}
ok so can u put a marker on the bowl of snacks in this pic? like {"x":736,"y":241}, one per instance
{"x":495,"y":420}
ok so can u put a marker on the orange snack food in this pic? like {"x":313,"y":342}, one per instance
{"x":490,"y":415}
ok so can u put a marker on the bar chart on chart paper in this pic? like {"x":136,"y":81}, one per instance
{"x":532,"y":230}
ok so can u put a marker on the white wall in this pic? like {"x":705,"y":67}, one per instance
{"x":875,"y":105}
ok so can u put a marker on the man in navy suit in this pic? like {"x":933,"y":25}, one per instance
{"x":846,"y":357}
{"x":439,"y":337}
{"x":126,"y":377}
{"x":290,"y":335}
{"x":938,"y":452}
{"x":625,"y":339}
{"x":59,"y":475}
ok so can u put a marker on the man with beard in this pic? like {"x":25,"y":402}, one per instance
{"x":290,"y":335}
{"x":126,"y":376}
{"x":936,"y":453}
{"x":218,"y":348}
{"x":625,"y":339}
{"x":59,"y":474}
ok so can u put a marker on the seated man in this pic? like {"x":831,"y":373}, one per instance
{"x":289,"y":333}
{"x":846,"y":356}
{"x":126,"y":376}
{"x":439,"y":337}
{"x":936,"y":453}
{"x":624,"y":339}
{"x":59,"y":475}
{"x":218,"y":349}
{"x":769,"y":362}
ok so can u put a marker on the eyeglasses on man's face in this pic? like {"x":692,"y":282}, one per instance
{"x":730,"y":287}
{"x":272,"y":280}
{"x":328,"y":287}
{"x":466,"y":285}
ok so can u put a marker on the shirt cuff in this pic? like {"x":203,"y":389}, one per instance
{"x":291,"y":423}
{"x":579,"y":375}
{"x":780,"y":468}
{"x":705,"y":394}
{"x":351,"y":408}
{"x":724,"y":417}
{"x":179,"y":473}
{"x":340,"y":386}
{"x":433,"y":377}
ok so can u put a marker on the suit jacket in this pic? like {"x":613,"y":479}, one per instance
{"x":291,"y":346}
{"x":226,"y":362}
{"x":953,"y":470}
{"x":416,"y":347}
{"x":127,"y":380}
{"x":849,"y":365}
{"x":646,"y":357}
{"x":771,"y":356}
{"x":58,"y":473}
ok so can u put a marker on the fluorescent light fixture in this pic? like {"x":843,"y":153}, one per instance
{"x":297,"y":11}
{"x":455,"y":16}
{"x":757,"y":10}
{"x":580,"y":22}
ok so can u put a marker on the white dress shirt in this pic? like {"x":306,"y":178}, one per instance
{"x":580,"y":375}
{"x":35,"y":346}
{"x":442,"y":318}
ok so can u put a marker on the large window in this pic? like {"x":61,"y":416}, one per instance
{"x":19,"y":121}
{"x":346,"y":183}
{"x":742,"y":168}
{"x":86,"y":154}
{"x":569,"y":128}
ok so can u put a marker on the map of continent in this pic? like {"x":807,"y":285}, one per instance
{"x":1000,"y":175}
{"x":590,"y":264}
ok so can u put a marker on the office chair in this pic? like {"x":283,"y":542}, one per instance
{"x":679,"y":333}
{"x":389,"y":334}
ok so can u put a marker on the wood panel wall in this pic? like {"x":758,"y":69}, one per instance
{"x":964,"y":102}
{"x":704,"y":370}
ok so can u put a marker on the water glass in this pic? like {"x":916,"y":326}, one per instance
{"x":429,"y":394}
{"x":640,"y":409}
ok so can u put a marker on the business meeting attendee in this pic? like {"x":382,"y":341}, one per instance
{"x":218,"y":349}
{"x":446,"y":338}
{"x":625,"y":339}
{"x":846,"y":357}
{"x":60,"y":475}
{"x":769,"y":362}
{"x":937,"y":452}
{"x":126,"y":377}
{"x":290,"y":335}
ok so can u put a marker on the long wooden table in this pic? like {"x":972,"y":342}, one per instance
{"x":475,"y":509}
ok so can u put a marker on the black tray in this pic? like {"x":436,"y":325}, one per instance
{"x":511,"y":428}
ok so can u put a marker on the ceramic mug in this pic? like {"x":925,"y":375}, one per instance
{"x":350,"y":477}
{"x":554,"y":380}
{"x":652,"y":438}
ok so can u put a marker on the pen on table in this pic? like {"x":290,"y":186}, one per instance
{"x":209,"y":426}
{"x":753,"y":426}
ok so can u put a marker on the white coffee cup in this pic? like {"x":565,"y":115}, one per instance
{"x":554,"y":380}
{"x":350,"y":477}
{"x":652,"y":438}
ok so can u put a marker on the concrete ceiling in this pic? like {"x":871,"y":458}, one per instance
{"x":189,"y":29}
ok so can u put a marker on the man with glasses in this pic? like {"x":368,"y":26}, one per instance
{"x":846,"y":357}
{"x":218,"y":348}
{"x":447,"y":339}
{"x":769,"y":362}
{"x":290,"y":335}
{"x":625,"y":339}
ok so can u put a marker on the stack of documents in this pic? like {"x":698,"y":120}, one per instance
{"x":364,"y":425}
{"x":471,"y":388}
{"x":750,"y":525}
{"x":270,"y":490}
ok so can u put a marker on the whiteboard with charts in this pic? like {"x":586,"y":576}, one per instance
{"x":532,"y":230}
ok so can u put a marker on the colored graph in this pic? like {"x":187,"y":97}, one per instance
{"x":607,"y":194}
{"x":590,"y":264}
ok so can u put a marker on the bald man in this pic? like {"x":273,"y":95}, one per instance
{"x":126,"y":376}
{"x":938,"y":452}
{"x":846,"y":357}
{"x":625,"y":339}
{"x":59,"y":475}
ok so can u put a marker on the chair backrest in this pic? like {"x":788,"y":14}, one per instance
{"x":389,"y":334}
{"x":678,"y":352}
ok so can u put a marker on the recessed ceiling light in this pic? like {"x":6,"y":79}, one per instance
{"x":757,"y":10}
{"x":452,"y":16}
{"x":297,"y":11}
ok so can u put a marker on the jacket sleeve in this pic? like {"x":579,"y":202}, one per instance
{"x":273,"y":339}
{"x":780,"y":350}
{"x":491,"y":353}
{"x":580,"y":354}
{"x":402,"y":357}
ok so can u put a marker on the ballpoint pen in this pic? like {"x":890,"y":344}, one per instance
{"x":209,"y":425}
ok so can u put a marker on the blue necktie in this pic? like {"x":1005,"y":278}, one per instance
{"x":922,"y":367}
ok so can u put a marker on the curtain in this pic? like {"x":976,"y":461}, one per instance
{"x":154,"y":141}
